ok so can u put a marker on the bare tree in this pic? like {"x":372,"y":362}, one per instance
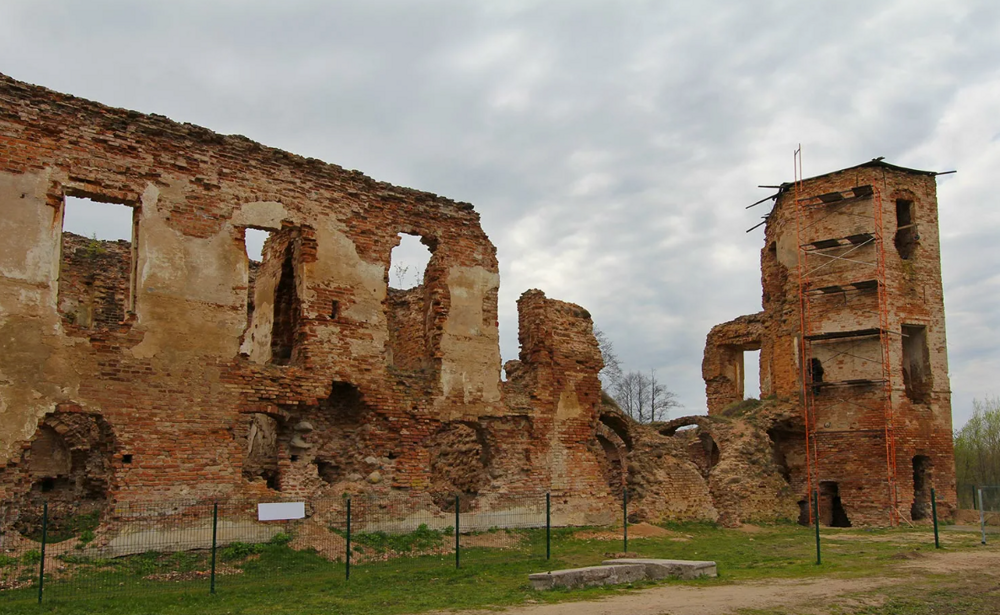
{"x":643,"y":398}
{"x":612,"y":371}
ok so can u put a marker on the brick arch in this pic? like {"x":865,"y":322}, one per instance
{"x":670,"y":427}
{"x":620,"y":424}
{"x":69,"y":463}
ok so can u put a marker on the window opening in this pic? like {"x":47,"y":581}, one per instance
{"x":831,"y":509}
{"x":97,"y":269}
{"x":921,"y":488}
{"x":253,"y":242}
{"x":407,"y":306}
{"x":254,"y":239}
{"x":906,"y":230}
{"x":916,"y":363}
{"x":408,"y":262}
{"x":816,"y":370}
{"x":286,"y":313}
{"x":751,"y":374}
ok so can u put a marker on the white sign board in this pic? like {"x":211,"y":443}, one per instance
{"x":281,"y":511}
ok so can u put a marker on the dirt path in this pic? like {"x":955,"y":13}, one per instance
{"x":787,"y":593}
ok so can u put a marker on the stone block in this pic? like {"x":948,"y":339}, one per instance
{"x":586,"y":577}
{"x":669,"y":568}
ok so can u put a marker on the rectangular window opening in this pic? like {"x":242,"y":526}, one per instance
{"x":906,"y":231}
{"x":916,"y":363}
{"x":253,"y":243}
{"x":97,"y":270}
{"x":751,"y":374}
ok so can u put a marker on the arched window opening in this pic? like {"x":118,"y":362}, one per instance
{"x":69,"y":465}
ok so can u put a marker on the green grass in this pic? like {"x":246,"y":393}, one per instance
{"x":422,"y":539}
{"x":274,"y":579}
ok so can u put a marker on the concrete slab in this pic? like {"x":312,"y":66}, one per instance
{"x":592,"y":575}
{"x":667,"y":568}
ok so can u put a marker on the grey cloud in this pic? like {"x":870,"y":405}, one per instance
{"x":609,"y":146}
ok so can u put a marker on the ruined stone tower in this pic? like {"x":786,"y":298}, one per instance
{"x":853,"y":332}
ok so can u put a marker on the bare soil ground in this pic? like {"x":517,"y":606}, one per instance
{"x":798,"y":596}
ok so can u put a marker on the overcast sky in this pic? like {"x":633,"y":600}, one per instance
{"x":611,"y":147}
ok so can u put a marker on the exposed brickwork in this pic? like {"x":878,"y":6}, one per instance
{"x":845,"y":375}
{"x":200,"y":374}
{"x":722,"y":367}
{"x":303,"y":375}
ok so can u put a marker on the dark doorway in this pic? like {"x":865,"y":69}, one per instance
{"x":831,"y":509}
{"x":921,"y":488}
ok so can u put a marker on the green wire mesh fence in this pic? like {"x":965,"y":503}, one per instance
{"x":197,"y":546}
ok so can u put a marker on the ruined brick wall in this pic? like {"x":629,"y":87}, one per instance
{"x":557,"y":370}
{"x":845,"y":373}
{"x":716,"y":468}
{"x":303,"y":374}
{"x":722,"y":367}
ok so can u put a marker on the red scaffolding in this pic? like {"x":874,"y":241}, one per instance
{"x":861,"y":258}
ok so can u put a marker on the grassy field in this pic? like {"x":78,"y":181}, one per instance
{"x":275,"y":579}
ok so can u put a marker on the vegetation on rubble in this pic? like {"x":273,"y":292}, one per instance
{"x":276,"y":579}
{"x":82,"y":525}
{"x":741,"y":408}
{"x":419,"y":540}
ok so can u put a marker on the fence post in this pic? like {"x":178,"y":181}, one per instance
{"x":982,"y":515}
{"x":974,"y":505}
{"x":215,"y":535}
{"x":457,"y":545}
{"x":625,"y":517}
{"x":937,"y":541}
{"x":819,"y":557}
{"x":347,"y":554}
{"x":41,"y":564}
{"x":548,"y":526}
